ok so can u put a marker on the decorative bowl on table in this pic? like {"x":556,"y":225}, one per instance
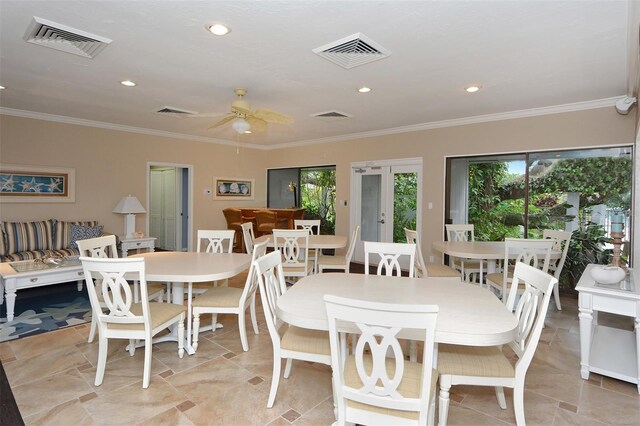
{"x":607,"y":274}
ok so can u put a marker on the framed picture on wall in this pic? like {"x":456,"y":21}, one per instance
{"x":37,"y":184}
{"x":230,"y":188}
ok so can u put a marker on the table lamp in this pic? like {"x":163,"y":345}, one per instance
{"x":129,"y":206}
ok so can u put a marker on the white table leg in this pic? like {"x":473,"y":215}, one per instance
{"x":586,"y":330}
{"x":10,"y":293}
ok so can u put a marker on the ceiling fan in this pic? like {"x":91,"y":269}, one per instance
{"x":245,"y":120}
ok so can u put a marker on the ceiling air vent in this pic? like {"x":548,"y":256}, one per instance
{"x":60,"y":37}
{"x":176,"y":112}
{"x":332,"y":115}
{"x":351,"y":51}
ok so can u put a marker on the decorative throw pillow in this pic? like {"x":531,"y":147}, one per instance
{"x":80,"y":232}
{"x":27,"y":236}
{"x":62,"y":232}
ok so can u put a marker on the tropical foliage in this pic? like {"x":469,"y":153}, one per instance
{"x":318,"y":196}
{"x":497,"y":203}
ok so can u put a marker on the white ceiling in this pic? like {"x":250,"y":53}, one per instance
{"x":525,"y":54}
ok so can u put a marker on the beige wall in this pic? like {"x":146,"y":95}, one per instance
{"x":110,"y":164}
{"x":568,"y":130}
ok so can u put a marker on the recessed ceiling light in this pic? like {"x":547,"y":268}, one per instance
{"x":1,"y":87}
{"x":218,"y":29}
{"x":364,"y":89}
{"x":128,"y":83}
{"x":248,"y":131}
{"x":473,"y":88}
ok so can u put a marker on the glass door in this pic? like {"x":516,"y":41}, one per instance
{"x":385,"y":200}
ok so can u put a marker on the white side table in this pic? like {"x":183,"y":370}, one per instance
{"x":605,"y":350}
{"x":127,"y":244}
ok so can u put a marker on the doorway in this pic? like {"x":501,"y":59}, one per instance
{"x":386,"y":197}
{"x":170,"y":194}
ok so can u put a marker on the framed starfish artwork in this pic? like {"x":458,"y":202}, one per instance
{"x":36,"y":184}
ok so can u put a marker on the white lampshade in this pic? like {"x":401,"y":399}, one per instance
{"x":129,"y":204}
{"x":240,"y":125}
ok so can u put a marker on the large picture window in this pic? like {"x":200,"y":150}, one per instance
{"x":313,"y":188}
{"x":520,"y":195}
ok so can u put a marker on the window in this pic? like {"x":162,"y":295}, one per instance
{"x":313,"y":188}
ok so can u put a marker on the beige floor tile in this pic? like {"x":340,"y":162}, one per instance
{"x":68,"y":413}
{"x":629,"y":389}
{"x":56,"y":360}
{"x":249,"y":404}
{"x":168,"y":355}
{"x":567,"y":418}
{"x":171,"y":417}
{"x":307,"y":386}
{"x":464,"y":416}
{"x":198,"y":383}
{"x":133,"y":404}
{"x":30,"y":347}
{"x":6,"y":353}
{"x":554,"y":383}
{"x":51,"y":391}
{"x":609,"y":407}
{"x":321,"y":414}
{"x":123,"y":372}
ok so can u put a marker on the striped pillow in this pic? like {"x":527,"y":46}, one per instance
{"x":63,"y":233}
{"x":28,"y":236}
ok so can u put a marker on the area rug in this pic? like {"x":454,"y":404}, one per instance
{"x":43,"y":309}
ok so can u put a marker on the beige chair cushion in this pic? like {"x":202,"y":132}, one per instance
{"x":306,"y":340}
{"x":224,"y":297}
{"x":488,"y":361}
{"x":409,"y":385}
{"x":435,"y":270}
{"x":497,"y":278}
{"x":298,"y":269}
{"x":160,"y":313}
{"x":332,"y":260}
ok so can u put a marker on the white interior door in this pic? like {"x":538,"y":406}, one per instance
{"x":169,"y":183}
{"x":156,"y":228}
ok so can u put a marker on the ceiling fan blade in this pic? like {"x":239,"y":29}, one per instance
{"x":223,"y":121}
{"x":205,"y":115}
{"x":257,"y":124}
{"x":240,"y":111}
{"x":272,"y":116}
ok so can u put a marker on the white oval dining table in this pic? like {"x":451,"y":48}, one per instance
{"x":469,"y":315}
{"x":190,"y":267}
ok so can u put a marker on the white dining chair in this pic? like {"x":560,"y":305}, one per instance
{"x":467,"y":267}
{"x":122,"y":318}
{"x":489,"y":366}
{"x":288,"y":342}
{"x":389,"y":254}
{"x":534,"y":252}
{"x":248,"y":236}
{"x":230,"y":300}
{"x":561,"y":245}
{"x":423,"y":270}
{"x":105,"y":247}
{"x":293,"y":245}
{"x":313,"y":226}
{"x":375,"y":385}
{"x":339,"y":263}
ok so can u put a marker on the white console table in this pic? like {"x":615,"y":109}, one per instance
{"x":605,"y":350}
{"x":127,"y":244}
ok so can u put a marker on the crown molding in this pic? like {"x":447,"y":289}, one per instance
{"x":122,"y":128}
{"x":533,"y":112}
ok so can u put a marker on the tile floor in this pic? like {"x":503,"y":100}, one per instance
{"x":52,"y":378}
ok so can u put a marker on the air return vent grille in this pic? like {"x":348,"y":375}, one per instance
{"x":356,"y":49}
{"x":176,"y":112}
{"x":60,"y":37}
{"x":331,"y":115}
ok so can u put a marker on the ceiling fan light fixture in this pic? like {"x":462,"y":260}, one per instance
{"x":218,"y":29}
{"x":240,"y":125}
